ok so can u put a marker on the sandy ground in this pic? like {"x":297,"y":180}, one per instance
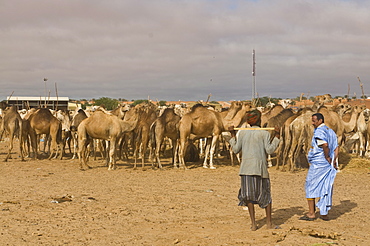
{"x":54,"y":203}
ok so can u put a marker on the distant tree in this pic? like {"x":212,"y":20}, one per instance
{"x":136,"y":102}
{"x":262,"y":101}
{"x":109,"y":103}
{"x":162,"y":103}
{"x":298,"y":98}
{"x":214,"y":102}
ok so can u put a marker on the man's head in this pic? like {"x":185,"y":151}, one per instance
{"x":317,"y":119}
{"x":254,"y":118}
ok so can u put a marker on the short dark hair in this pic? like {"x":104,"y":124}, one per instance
{"x":319,"y":116}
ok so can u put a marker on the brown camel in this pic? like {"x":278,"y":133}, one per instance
{"x":297,"y":137}
{"x":65,"y":119}
{"x":285,"y":143}
{"x":78,"y":116}
{"x":104,"y":126}
{"x":236,"y":120}
{"x":43,"y":122}
{"x":166,"y":125}
{"x":362,"y":129}
{"x":333,"y":121}
{"x":146,"y":115}
{"x":200,"y":122}
{"x":275,"y":110}
{"x":279,"y":120}
{"x":13,"y":125}
{"x":231,"y":112}
{"x":121,"y":110}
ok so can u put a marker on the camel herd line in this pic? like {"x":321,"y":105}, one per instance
{"x":146,"y":130}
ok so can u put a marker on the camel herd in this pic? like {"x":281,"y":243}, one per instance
{"x":147,"y":130}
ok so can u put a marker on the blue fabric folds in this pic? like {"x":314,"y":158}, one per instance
{"x":321,"y":174}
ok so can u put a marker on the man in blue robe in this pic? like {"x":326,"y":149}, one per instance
{"x":323,"y":168}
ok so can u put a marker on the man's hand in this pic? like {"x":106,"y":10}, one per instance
{"x":232,"y":131}
{"x":277,"y":131}
{"x":335,"y":164}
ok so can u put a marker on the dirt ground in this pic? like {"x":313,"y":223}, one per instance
{"x":54,"y":203}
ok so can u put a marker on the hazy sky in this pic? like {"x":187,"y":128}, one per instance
{"x":183,"y":49}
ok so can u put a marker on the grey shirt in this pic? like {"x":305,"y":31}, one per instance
{"x":255,"y":146}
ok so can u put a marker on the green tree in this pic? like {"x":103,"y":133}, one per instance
{"x":107,"y":102}
{"x":162,"y":103}
{"x":136,"y":102}
{"x":262,"y":101}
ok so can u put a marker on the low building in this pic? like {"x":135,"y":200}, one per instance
{"x":38,"y":102}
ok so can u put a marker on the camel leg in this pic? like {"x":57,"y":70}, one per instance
{"x":52,"y":148}
{"x":181,"y":155}
{"x":206,"y":154}
{"x":83,"y":151}
{"x":112,"y":159}
{"x":156,"y":154}
{"x":212,"y":151}
{"x":175,"y":151}
{"x":11,"y":138}
{"x":74,"y":145}
{"x":137,"y":147}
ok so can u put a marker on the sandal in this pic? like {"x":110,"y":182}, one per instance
{"x":306,"y":218}
{"x":324,"y":218}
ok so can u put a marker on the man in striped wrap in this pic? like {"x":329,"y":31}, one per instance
{"x":255,"y":182}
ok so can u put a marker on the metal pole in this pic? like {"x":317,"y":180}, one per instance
{"x":254,"y":76}
{"x":45,"y":79}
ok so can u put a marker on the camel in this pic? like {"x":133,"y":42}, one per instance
{"x":200,"y":122}
{"x":166,"y":125}
{"x":362,"y":128}
{"x":146,"y":115}
{"x":120,"y":110}
{"x":286,"y":142}
{"x":101,"y":125}
{"x":333,"y":121}
{"x":342,"y":109}
{"x":270,"y":113}
{"x":12,"y":124}
{"x":237,"y":120}
{"x":301,"y":131}
{"x":231,"y":112}
{"x":43,"y":122}
{"x":65,"y":119}
{"x":297,"y":136}
{"x":78,"y":116}
{"x":323,"y":98}
{"x":279,"y":121}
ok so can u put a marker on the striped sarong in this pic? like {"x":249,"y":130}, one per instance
{"x":254,"y":189}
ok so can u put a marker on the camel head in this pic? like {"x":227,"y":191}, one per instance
{"x":342,"y":108}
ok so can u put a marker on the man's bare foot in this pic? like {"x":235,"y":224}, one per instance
{"x":272,"y":226}
{"x":254,"y":227}
{"x":312,"y":216}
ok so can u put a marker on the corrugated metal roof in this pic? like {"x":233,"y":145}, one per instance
{"x":14,"y":98}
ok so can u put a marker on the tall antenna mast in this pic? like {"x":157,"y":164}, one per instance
{"x":254,"y":76}
{"x":362,"y":88}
